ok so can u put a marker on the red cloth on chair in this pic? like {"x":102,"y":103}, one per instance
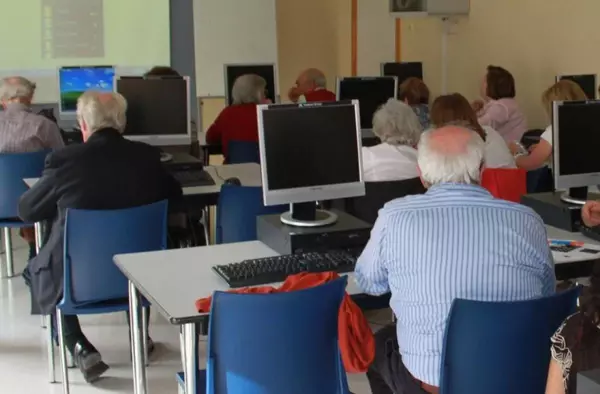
{"x":505,"y":183}
{"x":356,"y":341}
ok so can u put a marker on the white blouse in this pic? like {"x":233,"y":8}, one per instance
{"x":497,"y":154}
{"x":385,"y":162}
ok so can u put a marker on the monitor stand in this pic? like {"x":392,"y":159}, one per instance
{"x":306,"y":214}
{"x":575,"y":195}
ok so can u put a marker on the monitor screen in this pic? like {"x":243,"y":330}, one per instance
{"x":156,"y":106}
{"x":587,"y":83}
{"x":576,"y":139}
{"x":310,"y":148}
{"x":74,"y":81}
{"x":267,"y":71}
{"x":402,"y":71}
{"x":371,"y":92}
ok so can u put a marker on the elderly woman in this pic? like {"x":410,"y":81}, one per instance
{"x":395,"y":158}
{"x":238,"y":122}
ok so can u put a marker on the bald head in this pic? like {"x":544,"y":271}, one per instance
{"x":16,"y":89}
{"x":451,"y":154}
{"x":311,"y":79}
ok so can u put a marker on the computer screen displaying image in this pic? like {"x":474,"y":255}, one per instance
{"x":587,"y":82}
{"x":74,"y":81}
{"x":371,"y":93}
{"x":576,"y":137}
{"x":267,"y":71}
{"x":403,"y":70}
{"x":150,"y":117}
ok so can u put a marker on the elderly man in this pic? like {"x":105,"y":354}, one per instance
{"x":239,"y":122}
{"x":455,"y":241}
{"x":311,"y":86}
{"x":106,"y":172}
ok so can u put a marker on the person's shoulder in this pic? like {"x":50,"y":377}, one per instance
{"x":142,"y":148}
{"x":61,"y":156}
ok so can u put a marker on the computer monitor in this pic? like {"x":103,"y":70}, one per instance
{"x":158,"y":109}
{"x":403,"y":70}
{"x":371,"y":93}
{"x":310,"y":152}
{"x":576,"y":138}
{"x":74,"y":81}
{"x":587,"y":82}
{"x":267,"y":71}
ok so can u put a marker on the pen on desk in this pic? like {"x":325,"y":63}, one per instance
{"x":565,"y":242}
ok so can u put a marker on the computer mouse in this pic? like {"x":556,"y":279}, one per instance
{"x":233,"y":181}
{"x":165,"y":157}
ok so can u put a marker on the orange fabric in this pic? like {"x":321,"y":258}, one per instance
{"x":357,"y":344}
{"x":505,"y":183}
{"x":28,"y":234}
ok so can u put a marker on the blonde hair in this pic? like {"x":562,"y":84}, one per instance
{"x":564,"y":90}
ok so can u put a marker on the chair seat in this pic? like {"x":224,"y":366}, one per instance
{"x":121,"y":305}
{"x":200,"y":381}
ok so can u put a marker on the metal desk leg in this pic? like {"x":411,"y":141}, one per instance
{"x":140,"y":385}
{"x":10,"y":271}
{"x":190,"y":338}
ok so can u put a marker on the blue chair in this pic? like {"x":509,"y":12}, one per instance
{"x":275,"y":343}
{"x":239,"y":152}
{"x":14,"y":167}
{"x":501,"y":347}
{"x":237,"y":209}
{"x":92,"y":282}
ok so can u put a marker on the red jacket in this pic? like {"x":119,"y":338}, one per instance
{"x":319,"y":95}
{"x":234,"y":123}
{"x":356,"y":341}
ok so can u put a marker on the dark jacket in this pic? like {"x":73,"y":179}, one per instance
{"x":106,"y":172}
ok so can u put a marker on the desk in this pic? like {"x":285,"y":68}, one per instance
{"x":172,"y":281}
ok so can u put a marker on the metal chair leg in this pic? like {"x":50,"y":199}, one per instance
{"x":10,"y":271}
{"x":50,"y":348}
{"x":63,"y":351}
{"x":205,"y":224}
{"x":145,"y":316}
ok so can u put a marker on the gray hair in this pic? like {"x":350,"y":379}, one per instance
{"x":248,"y":89}
{"x":16,"y":88}
{"x":395,"y":123}
{"x":316,"y":76}
{"x":101,"y":110}
{"x":438,"y":166}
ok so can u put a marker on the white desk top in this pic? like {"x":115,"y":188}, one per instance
{"x":576,"y":255}
{"x":248,"y":174}
{"x":173,"y":280}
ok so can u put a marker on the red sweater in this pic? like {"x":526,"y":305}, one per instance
{"x":234,"y":123}
{"x":319,"y":95}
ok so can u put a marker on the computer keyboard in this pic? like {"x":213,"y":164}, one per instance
{"x":277,"y":269}
{"x":563,"y":248}
{"x":190,"y":178}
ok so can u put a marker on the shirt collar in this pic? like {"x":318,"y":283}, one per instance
{"x":17,"y":107}
{"x":462,"y":188}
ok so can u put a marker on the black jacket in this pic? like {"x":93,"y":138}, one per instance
{"x":106,"y":172}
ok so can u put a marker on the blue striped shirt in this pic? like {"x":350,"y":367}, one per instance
{"x":455,"y":241}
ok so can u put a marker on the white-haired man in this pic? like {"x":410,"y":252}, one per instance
{"x":455,"y":241}
{"x":311,"y":86}
{"x":239,"y":122}
{"x":106,"y":172}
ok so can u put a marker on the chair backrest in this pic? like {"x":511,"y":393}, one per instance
{"x":505,"y":183}
{"x":239,"y":152}
{"x":14,"y":167}
{"x":540,"y":180}
{"x":531,"y":137}
{"x":501,"y":347}
{"x":237,"y":209}
{"x":93,"y":237}
{"x":276,"y":343}
{"x":377,"y":194}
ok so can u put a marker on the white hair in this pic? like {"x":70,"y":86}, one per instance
{"x":16,"y":88}
{"x":100,"y":110}
{"x":317,"y":77}
{"x":438,"y":166}
{"x":395,"y":123}
{"x":248,"y":89}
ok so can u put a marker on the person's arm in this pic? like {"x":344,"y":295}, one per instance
{"x":370,"y":271}
{"x":494,"y":115}
{"x":214,"y":134}
{"x":591,"y":213}
{"x":40,"y":202}
{"x":49,"y":134}
{"x":555,"y":384}
{"x":537,"y":158}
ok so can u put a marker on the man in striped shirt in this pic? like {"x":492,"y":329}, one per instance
{"x":455,"y":241}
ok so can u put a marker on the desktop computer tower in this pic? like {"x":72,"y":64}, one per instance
{"x":347,"y":232}
{"x":554,"y":211}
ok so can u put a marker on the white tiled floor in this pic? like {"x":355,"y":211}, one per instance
{"x":23,"y":363}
